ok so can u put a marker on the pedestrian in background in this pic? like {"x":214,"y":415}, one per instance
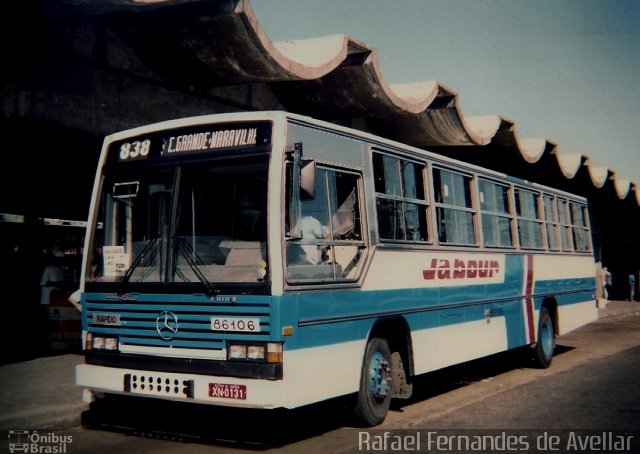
{"x":607,"y":280}
{"x":52,"y":276}
{"x":632,"y":287}
{"x":75,"y":299}
{"x":52,"y":279}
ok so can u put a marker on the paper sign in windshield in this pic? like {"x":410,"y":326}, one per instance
{"x":116,"y":261}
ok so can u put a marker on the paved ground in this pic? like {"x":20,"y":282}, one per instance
{"x":41,"y":393}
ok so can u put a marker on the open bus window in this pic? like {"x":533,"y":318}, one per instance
{"x":330,"y":246}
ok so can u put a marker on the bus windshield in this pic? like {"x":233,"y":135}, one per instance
{"x":200,"y":222}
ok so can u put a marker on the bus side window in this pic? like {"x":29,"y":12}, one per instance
{"x":529,"y":219}
{"x":454,"y":209}
{"x":551,"y":219}
{"x":330,"y":247}
{"x":565,"y":226}
{"x":401,"y":203}
{"x":496,"y":217}
{"x":580,"y":227}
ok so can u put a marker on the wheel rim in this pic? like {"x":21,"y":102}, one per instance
{"x":546,"y":337}
{"x":379,"y":377}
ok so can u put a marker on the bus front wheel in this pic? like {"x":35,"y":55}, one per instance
{"x":374,"y":396}
{"x":546,"y":342}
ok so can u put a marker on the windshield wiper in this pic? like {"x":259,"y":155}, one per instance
{"x":188,"y":253}
{"x":139,"y":259}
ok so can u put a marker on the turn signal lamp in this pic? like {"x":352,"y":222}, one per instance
{"x":274,"y":354}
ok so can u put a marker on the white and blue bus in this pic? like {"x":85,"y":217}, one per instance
{"x":270,"y":260}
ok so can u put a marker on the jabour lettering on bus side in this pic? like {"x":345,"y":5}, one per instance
{"x":461,"y":269}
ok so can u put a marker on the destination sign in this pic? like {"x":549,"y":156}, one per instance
{"x":192,"y":139}
{"x":210,"y":140}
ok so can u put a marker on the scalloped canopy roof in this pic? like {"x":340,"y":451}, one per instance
{"x":218,"y":49}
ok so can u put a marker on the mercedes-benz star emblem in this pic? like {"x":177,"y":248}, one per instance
{"x":167,"y":325}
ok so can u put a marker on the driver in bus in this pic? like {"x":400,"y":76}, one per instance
{"x":311,"y":228}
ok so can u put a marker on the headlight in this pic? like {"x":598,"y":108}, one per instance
{"x":263,"y":352}
{"x":255,"y":352}
{"x":111,"y":343}
{"x":98,"y":342}
{"x":237,"y":352}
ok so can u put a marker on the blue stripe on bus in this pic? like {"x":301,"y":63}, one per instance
{"x":326,"y":317}
{"x":350,"y":320}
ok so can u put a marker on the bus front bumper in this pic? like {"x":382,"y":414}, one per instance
{"x":186,"y":387}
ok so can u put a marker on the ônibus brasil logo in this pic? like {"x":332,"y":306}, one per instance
{"x":30,"y":441}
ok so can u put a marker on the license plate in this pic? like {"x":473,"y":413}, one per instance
{"x":237,"y":324}
{"x":228,"y":391}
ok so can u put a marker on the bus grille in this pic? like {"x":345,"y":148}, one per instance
{"x":139,"y":323}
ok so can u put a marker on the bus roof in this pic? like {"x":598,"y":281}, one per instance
{"x":282,"y":116}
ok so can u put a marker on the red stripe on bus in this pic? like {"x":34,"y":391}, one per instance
{"x":529,"y":299}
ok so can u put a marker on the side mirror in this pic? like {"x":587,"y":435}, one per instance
{"x":308,"y":179}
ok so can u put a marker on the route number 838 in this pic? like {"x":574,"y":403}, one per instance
{"x":133,"y":150}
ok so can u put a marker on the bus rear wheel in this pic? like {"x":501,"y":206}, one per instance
{"x":374,"y":396}
{"x":546,"y":341}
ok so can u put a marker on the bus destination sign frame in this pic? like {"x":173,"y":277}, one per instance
{"x":191,"y":140}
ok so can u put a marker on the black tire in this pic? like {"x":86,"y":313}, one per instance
{"x":546,"y":340}
{"x":374,"y":396}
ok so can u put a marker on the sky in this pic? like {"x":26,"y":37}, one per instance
{"x":565,"y":70}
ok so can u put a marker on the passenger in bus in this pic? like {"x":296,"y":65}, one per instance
{"x":311,"y":228}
